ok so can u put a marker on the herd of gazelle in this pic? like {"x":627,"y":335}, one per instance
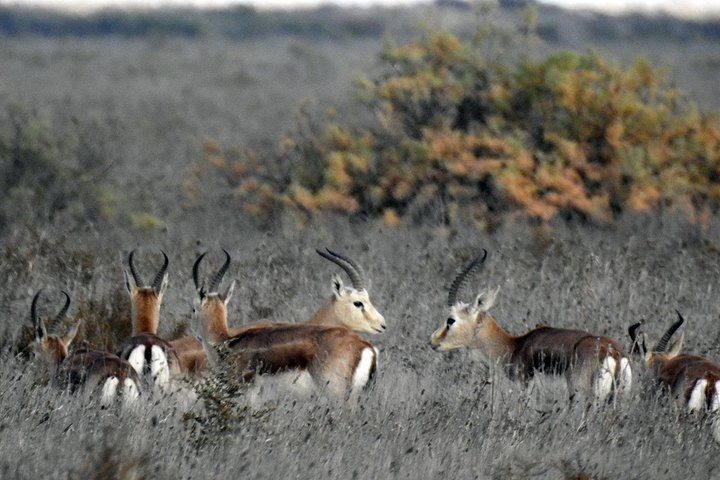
{"x":325,"y":353}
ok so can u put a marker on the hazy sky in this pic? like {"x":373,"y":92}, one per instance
{"x":684,"y":7}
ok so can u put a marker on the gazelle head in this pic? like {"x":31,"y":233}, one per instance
{"x":145,"y":299}
{"x":350,"y":305}
{"x":660,"y":351}
{"x":209,"y":304}
{"x":52,"y":346}
{"x":466,"y":322}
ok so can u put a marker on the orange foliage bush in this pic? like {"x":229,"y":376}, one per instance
{"x":569,"y":135}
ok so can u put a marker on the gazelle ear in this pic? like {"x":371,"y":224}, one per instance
{"x":70,"y":335}
{"x":337,"y":286}
{"x":676,"y":348}
{"x":129,"y":282}
{"x":485,"y":300}
{"x":163,"y":285}
{"x":229,"y":292}
{"x":40,"y":330}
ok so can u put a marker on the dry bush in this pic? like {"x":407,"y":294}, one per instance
{"x":492,"y":138}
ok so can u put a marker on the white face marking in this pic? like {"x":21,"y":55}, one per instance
{"x":356,"y":311}
{"x":363,"y":370}
{"x":697,"y":396}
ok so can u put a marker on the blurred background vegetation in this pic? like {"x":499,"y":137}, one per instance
{"x":481,"y":113}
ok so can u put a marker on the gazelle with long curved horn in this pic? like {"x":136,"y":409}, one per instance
{"x":90,"y":371}
{"x":693,"y":380}
{"x":590,"y":363}
{"x":191,"y":355}
{"x":153,"y":358}
{"x":298,"y":357}
{"x":350,"y":306}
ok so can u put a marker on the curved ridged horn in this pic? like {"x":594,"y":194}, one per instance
{"x":195,"y":271}
{"x":636,"y":345}
{"x":217,"y":278}
{"x":462,"y":277}
{"x":37,"y":323}
{"x":133,"y":270}
{"x":57,"y":321}
{"x":351,"y":268}
{"x":662,"y":344}
{"x":161,"y":273}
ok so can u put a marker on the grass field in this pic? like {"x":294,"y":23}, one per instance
{"x":142,"y":107}
{"x":428,"y":414}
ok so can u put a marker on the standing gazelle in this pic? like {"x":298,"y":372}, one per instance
{"x":590,"y":363}
{"x":300,"y":356}
{"x":90,"y":371}
{"x":693,"y":380}
{"x":152,"y":357}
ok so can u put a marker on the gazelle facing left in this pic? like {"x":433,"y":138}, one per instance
{"x":93,"y":372}
{"x":693,"y":380}
{"x":153,"y":358}
{"x":590,"y":363}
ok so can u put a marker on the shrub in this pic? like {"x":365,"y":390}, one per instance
{"x":569,"y":135}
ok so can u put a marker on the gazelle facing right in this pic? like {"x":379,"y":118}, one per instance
{"x":590,"y":363}
{"x":692,"y":379}
{"x":349,"y":307}
{"x":93,"y":372}
{"x":297,"y":357}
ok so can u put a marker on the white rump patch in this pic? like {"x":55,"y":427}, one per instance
{"x":109,"y":391}
{"x":159,"y":369}
{"x":363,"y":369}
{"x":130,"y":392}
{"x":605,"y":378}
{"x":715,"y":400}
{"x":137,"y":359}
{"x":697,"y":396}
{"x":624,"y":382}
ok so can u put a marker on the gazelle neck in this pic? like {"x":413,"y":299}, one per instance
{"x":325,"y":315}
{"x":214,"y":322}
{"x":145,"y":321}
{"x":491,"y":338}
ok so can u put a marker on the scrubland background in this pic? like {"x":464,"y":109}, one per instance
{"x":409,"y":139}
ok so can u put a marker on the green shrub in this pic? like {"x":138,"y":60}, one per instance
{"x":565,"y":136}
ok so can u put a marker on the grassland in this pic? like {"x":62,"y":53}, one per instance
{"x":142,"y":104}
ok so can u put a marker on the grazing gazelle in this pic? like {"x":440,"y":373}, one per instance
{"x":90,"y":371}
{"x":692,"y":379}
{"x":300,"y":356}
{"x":590,"y":363}
{"x":349,"y":308}
{"x":153,"y":358}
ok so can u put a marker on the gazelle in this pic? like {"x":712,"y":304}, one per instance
{"x":153,"y":358}
{"x":305,"y":356}
{"x":590,"y":363}
{"x":349,"y":307}
{"x":90,"y":371}
{"x":693,"y":380}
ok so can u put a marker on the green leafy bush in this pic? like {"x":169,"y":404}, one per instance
{"x":494,"y":137}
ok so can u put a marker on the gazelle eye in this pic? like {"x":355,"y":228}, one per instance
{"x":359,"y":305}
{"x":450,"y":321}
